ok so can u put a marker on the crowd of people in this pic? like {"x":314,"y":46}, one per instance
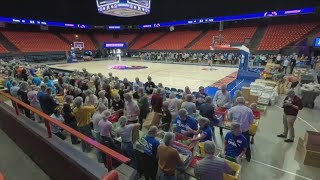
{"x":90,"y":103}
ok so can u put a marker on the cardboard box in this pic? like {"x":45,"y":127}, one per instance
{"x":308,"y":151}
{"x":245,"y":92}
{"x":235,"y":167}
{"x":253,"y":99}
{"x":312,"y":140}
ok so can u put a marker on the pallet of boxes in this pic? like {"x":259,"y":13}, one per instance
{"x":308,"y":149}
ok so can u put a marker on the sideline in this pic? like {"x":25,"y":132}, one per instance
{"x":279,"y":169}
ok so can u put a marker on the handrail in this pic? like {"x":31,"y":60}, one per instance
{"x":48,"y":119}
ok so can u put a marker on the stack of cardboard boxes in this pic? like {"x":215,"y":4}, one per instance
{"x":308,"y":149}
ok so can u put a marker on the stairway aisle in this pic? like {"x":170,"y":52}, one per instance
{"x":15,"y":164}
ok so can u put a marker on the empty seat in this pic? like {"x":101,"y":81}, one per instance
{"x":88,"y":44}
{"x":3,"y":49}
{"x":127,"y":38}
{"x":174,"y":40}
{"x":279,"y":36}
{"x":145,"y":39}
{"x":36,"y":41}
{"x":230,"y":35}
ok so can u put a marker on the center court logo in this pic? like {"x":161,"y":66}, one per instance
{"x":122,"y":67}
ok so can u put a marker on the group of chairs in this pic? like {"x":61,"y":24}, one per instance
{"x":178,"y":92}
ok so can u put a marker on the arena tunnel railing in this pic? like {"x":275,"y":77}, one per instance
{"x":110,"y":154}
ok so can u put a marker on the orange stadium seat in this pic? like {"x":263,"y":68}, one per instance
{"x":36,"y":41}
{"x":174,"y":40}
{"x":279,"y":36}
{"x":145,"y":39}
{"x":3,"y":49}
{"x":231,"y":35}
{"x":127,"y":38}
{"x":88,"y":44}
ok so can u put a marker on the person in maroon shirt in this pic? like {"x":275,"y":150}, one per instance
{"x":156,"y":101}
{"x":292,"y":105}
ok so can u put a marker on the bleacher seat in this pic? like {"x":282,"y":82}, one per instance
{"x":279,"y":36}
{"x":3,"y":49}
{"x":88,"y":44}
{"x":230,"y":35}
{"x":145,"y":39}
{"x":36,"y":41}
{"x":174,"y":40}
{"x":127,"y":38}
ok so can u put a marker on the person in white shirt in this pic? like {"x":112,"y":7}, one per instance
{"x":54,"y":128}
{"x":131,"y":109}
{"x":285,"y":64}
{"x":91,"y":99}
{"x":137,"y":83}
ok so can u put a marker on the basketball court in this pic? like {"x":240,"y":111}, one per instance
{"x":170,"y":75}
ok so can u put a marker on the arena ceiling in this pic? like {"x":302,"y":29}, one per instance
{"x":85,"y":11}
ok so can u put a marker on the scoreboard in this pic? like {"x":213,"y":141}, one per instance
{"x":124,"y":8}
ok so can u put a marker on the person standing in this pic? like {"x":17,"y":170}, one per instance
{"x":149,"y":86}
{"x":83,"y":117}
{"x":200,"y":96}
{"x":137,"y":83}
{"x":150,"y":151}
{"x":131,"y":109}
{"x":207,"y":111}
{"x":293,"y":62}
{"x":156,"y":101}
{"x":243,"y":115}
{"x":291,"y":106}
{"x":189,"y":105}
{"x":168,"y":158}
{"x":34,"y":102}
{"x":125,"y":132}
{"x":184,"y":123}
{"x":105,"y":134}
{"x":318,"y":76}
{"x":222,"y":100}
{"x":69,"y":118}
{"x":285,"y":64}
{"x":211,"y":167}
{"x":54,"y":128}
{"x":143,"y":104}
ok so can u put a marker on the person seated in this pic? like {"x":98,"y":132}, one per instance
{"x":235,"y":144}
{"x":211,"y":167}
{"x":205,"y":130}
{"x":182,"y":122}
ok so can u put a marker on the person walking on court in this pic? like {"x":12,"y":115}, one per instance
{"x":291,"y":106}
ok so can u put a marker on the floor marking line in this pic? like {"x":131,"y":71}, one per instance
{"x":303,"y":121}
{"x":294,"y":174}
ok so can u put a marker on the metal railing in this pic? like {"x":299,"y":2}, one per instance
{"x":47,"y":120}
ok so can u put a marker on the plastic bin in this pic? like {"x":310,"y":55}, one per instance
{"x":235,"y":167}
{"x":187,"y":157}
{"x":180,"y":138}
{"x":253,"y":127}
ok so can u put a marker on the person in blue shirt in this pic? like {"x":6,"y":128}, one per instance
{"x":32,"y":71}
{"x":200,"y":97}
{"x":150,"y":150}
{"x":36,"y":81}
{"x":205,"y":130}
{"x":8,"y":83}
{"x":49,"y":84}
{"x":183,"y":123}
{"x":235,"y":144}
{"x":43,"y":88}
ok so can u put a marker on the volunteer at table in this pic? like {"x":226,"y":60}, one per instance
{"x":182,"y":122}
{"x":204,"y":131}
{"x":235,"y":144}
{"x":150,"y":150}
{"x":291,"y":79}
{"x":211,"y":167}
